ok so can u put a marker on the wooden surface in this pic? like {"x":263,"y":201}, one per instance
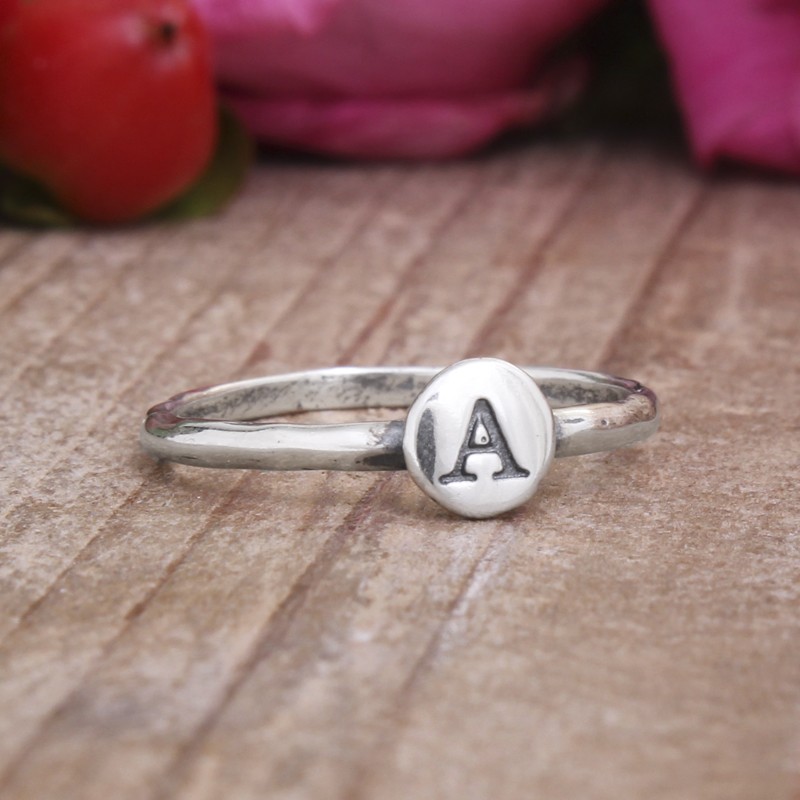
{"x":633,"y":633}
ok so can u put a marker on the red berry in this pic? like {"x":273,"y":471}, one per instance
{"x":108,"y":103}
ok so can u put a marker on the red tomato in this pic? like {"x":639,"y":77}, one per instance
{"x":108,"y":103}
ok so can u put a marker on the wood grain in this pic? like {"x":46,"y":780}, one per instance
{"x":177,"y":633}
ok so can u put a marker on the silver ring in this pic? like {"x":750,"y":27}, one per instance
{"x":477,"y":438}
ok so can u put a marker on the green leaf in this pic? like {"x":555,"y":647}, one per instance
{"x":223,"y":176}
{"x":25,"y":201}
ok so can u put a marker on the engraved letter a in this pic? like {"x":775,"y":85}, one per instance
{"x":484,"y":435}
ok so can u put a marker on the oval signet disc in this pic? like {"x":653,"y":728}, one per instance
{"x":479,"y":437}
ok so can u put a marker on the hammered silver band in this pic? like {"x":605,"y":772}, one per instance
{"x":584,"y":412}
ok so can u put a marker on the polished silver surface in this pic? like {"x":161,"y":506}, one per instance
{"x":479,"y":437}
{"x":224,"y":426}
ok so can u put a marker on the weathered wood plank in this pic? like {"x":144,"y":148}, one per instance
{"x":241,"y":297}
{"x":355,"y":652}
{"x":632,"y":648}
{"x":296,"y":327}
{"x":28,"y":547}
{"x":179,"y":633}
{"x":213,"y":340}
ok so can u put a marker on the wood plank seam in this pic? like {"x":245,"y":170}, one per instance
{"x":78,"y":314}
{"x":273,"y":630}
{"x":7,"y":774}
{"x":404,"y":278}
{"x":9,"y":255}
{"x":654,"y":278}
{"x":373,"y":761}
{"x":476,"y":347}
{"x":308,"y":289}
{"x":11,"y":300}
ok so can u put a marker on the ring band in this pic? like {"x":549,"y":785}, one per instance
{"x":478,"y":436}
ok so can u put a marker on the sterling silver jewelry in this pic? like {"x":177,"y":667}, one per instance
{"x":478,"y":436}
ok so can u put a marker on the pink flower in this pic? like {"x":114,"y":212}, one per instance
{"x":736,"y":64}
{"x":392,"y":78}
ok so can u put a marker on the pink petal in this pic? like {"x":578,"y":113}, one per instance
{"x":386,"y":128}
{"x":736,"y":64}
{"x":404,"y":78}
